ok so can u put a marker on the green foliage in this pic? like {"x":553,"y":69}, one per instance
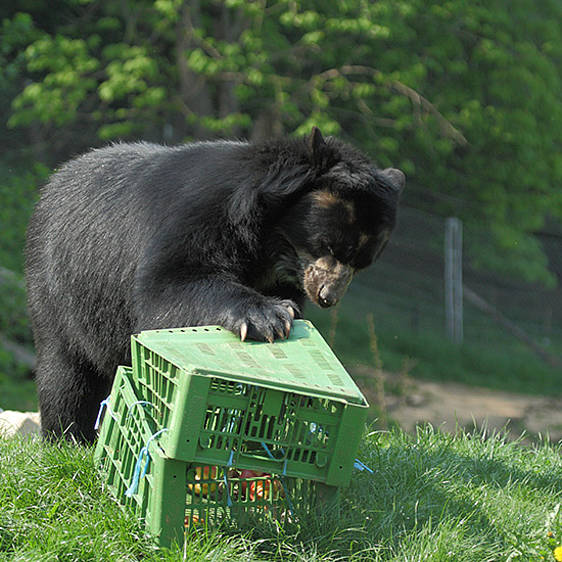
{"x":57,"y":99}
{"x":17,"y":391}
{"x":13,"y":320}
{"x":464,"y":97}
{"x":18,"y":192}
{"x":15,"y":34}
{"x":430,"y":497}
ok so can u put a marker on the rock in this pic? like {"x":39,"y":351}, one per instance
{"x":20,"y":423}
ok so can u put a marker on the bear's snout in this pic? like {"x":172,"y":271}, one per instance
{"x":326,"y":281}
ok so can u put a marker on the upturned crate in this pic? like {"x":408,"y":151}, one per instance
{"x":287,"y":407}
{"x":170,"y":496}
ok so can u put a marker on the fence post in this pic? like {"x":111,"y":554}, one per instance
{"x":453,"y":280}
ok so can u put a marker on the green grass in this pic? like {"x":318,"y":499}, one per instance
{"x":432,"y":497}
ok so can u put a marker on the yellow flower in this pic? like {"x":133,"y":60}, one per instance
{"x":558,"y":553}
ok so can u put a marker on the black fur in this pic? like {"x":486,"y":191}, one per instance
{"x":140,"y":236}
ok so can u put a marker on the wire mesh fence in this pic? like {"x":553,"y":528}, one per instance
{"x":405,"y":291}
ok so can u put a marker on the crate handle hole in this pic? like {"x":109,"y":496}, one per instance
{"x":321,"y":460}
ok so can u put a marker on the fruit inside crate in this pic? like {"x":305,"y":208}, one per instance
{"x":217,"y":494}
{"x":288,"y":407}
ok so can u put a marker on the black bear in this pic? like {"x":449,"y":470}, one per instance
{"x":141,"y":236}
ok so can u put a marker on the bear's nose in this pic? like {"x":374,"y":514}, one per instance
{"x":325,"y":297}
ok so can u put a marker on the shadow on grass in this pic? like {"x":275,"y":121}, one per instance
{"x":475,"y":493}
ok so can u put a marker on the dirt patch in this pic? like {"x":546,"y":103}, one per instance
{"x":448,"y":405}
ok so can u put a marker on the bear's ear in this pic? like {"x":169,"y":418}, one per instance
{"x":316,"y":145}
{"x":393,"y":178}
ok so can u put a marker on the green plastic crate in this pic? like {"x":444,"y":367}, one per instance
{"x":287,"y":407}
{"x":173,"y":495}
{"x":124,"y":432}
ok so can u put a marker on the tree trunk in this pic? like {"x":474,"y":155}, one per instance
{"x":194,"y":90}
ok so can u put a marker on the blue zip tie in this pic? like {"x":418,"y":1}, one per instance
{"x":281,"y":479}
{"x":132,"y":490}
{"x":272,"y":457}
{"x":287,"y":495}
{"x":228,"y":498}
{"x":360,"y":466}
{"x":141,"y":403}
{"x":103,"y":404}
{"x":270,"y":454}
{"x":228,"y":464}
{"x":268,"y":451}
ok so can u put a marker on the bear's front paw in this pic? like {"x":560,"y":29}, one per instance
{"x":267,"y":320}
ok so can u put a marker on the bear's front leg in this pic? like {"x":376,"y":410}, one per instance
{"x":214,"y":301}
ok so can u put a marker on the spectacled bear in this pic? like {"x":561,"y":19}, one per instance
{"x":140,"y":236}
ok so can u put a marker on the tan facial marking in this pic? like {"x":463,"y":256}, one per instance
{"x":363,"y":239}
{"x":325,"y":200}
